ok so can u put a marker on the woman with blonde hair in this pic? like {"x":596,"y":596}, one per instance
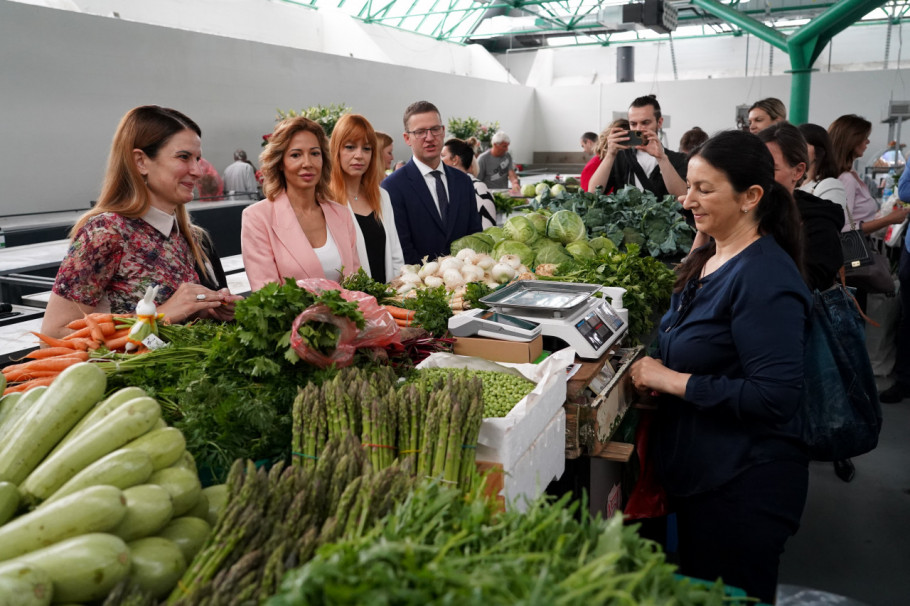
{"x":766,"y":112}
{"x":599,"y":148}
{"x":385,"y":150}
{"x":356,"y":174}
{"x":139,"y":233}
{"x":297,"y":231}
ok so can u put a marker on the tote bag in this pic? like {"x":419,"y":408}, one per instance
{"x":839,"y":415}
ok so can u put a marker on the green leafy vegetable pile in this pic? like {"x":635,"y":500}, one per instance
{"x":431,"y":310}
{"x":230,"y":387}
{"x":629,"y":216}
{"x":440,"y":548}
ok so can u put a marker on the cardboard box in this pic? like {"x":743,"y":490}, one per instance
{"x":518,"y":352}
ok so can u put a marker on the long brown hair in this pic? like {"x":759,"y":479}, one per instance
{"x":148,"y":127}
{"x":846,"y":133}
{"x":354,"y":128}
{"x":271,"y":160}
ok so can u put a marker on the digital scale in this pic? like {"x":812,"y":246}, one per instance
{"x":562,"y":310}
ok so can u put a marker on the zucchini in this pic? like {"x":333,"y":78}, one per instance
{"x":148,"y":509}
{"x":186,"y":461}
{"x":165,"y":446}
{"x":189,"y":534}
{"x":100,"y":411}
{"x":183,"y":486}
{"x":122,"y":469}
{"x":24,"y":585}
{"x":95,"y":509}
{"x":9,"y":501}
{"x":83,"y":568}
{"x":200,"y":509}
{"x":217,"y":497}
{"x":161,"y":424}
{"x":57,"y":410}
{"x":20,"y":407}
{"x":131,"y":420}
{"x":6,"y":404}
{"x":157,"y":565}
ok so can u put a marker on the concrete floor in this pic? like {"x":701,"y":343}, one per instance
{"x":855,"y":537}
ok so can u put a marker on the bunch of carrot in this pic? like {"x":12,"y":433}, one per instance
{"x":403,"y":317}
{"x":90,"y":332}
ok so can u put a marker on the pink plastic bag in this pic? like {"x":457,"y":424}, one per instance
{"x":380,"y":329}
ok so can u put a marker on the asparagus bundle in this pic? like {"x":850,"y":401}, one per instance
{"x":275,"y":520}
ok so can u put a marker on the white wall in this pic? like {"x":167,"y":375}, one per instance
{"x":67,"y":78}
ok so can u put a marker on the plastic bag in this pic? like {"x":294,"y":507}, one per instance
{"x":648,"y":498}
{"x":379,"y":330}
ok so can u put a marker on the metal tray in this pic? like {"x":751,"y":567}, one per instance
{"x":540,"y":295}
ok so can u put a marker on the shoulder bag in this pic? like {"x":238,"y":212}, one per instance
{"x":865,"y":267}
{"x":839,"y":415}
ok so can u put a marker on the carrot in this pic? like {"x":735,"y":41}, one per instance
{"x":97,"y":335}
{"x":113,"y":343}
{"x":107,"y":328}
{"x":399,"y":312}
{"x":98,"y":317}
{"x":57,"y":364}
{"x":82,"y":333}
{"x":29,"y":384}
{"x":49,"y":352}
{"x":402,"y":323}
{"x":54,"y":342}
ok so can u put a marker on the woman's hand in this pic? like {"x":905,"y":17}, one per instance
{"x":194,"y":300}
{"x":897,"y":215}
{"x":225,"y":311}
{"x":650,"y":375}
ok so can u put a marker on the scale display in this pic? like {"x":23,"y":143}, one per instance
{"x":599,"y":326}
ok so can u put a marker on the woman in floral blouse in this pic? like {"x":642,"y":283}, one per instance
{"x":139,"y":233}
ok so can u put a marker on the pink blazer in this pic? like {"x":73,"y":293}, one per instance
{"x":274,"y":246}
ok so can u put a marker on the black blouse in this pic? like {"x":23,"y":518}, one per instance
{"x":374,"y":241}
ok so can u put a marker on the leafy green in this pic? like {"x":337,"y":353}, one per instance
{"x":362,"y":282}
{"x":628,"y":216}
{"x":431,"y":310}
{"x":473,"y":292}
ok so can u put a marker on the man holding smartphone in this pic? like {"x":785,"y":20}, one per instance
{"x":637,"y":157}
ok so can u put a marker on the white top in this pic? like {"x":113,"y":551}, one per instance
{"x":329,"y":258}
{"x":394,"y":257}
{"x":648,"y":163}
{"x":431,"y":180}
{"x":830,"y":189}
{"x":240,"y":177}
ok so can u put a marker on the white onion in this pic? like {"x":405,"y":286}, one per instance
{"x":405,"y":288}
{"x":485,"y":262}
{"x":411,"y":278}
{"x":409,"y":269}
{"x":502,"y":272}
{"x":453,"y":279}
{"x":492,"y":284}
{"x":466,"y":254}
{"x":448,"y":263}
{"x":471,"y":273}
{"x":429,"y":269}
{"x":433,"y":281}
{"x":514,"y":261}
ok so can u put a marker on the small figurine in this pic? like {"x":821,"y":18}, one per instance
{"x":146,"y":320}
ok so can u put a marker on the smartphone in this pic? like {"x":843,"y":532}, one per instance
{"x":635,"y":138}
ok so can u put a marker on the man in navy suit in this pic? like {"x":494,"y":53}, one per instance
{"x":434,"y":204}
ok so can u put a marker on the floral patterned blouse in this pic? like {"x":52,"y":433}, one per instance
{"x":113,"y":259}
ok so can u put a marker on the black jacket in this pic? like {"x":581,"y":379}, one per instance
{"x":623,"y":173}
{"x":822,"y":224}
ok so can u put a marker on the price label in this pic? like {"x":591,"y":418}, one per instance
{"x":153,"y":342}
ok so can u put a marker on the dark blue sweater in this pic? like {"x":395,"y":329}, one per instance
{"x":740,"y":332}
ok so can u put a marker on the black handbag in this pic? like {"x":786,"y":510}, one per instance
{"x":864,"y":266}
{"x":839,"y":415}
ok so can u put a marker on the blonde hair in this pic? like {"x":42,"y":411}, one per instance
{"x":271,"y":160}
{"x":354,"y":128}
{"x":384,"y":140}
{"x":148,"y":127}
{"x":601,"y":145}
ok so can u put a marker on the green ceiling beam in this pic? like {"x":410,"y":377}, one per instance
{"x":803,"y":46}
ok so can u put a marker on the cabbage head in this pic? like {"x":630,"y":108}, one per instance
{"x":544,"y":243}
{"x":555,"y":254}
{"x":520,"y":229}
{"x":539,"y":221}
{"x":602,"y":244}
{"x":511,"y":247}
{"x":565,"y":227}
{"x":580,"y":250}
{"x":496,"y":233}
{"x":474,"y":242}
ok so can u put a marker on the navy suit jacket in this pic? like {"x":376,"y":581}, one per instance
{"x":420,"y":228}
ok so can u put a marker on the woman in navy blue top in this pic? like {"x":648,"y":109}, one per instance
{"x":730,"y":371}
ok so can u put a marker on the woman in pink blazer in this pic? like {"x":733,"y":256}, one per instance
{"x":297,"y":232}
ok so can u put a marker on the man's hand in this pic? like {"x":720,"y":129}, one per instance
{"x":652,"y":145}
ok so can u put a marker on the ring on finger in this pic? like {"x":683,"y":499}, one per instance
{"x":200,"y":297}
